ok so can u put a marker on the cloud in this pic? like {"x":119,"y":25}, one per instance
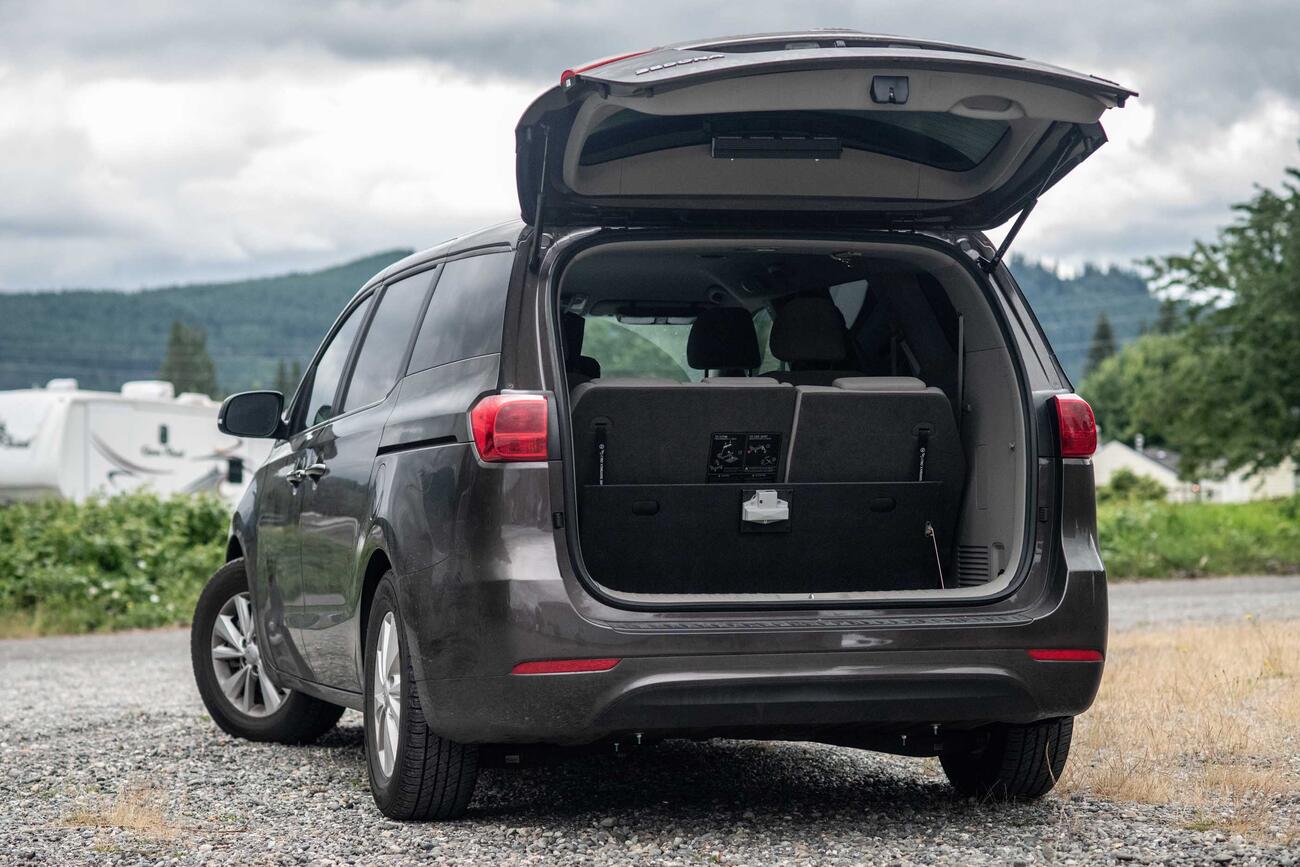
{"x":150,"y":142}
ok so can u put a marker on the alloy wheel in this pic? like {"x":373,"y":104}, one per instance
{"x":237,"y":660}
{"x":387,"y":694}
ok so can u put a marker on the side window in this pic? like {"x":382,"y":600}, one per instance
{"x":329,"y":369}
{"x":465,"y":313}
{"x":383,"y":349}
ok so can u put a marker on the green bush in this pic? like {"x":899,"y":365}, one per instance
{"x":1127,"y":486}
{"x":1156,"y":539}
{"x":129,"y":561}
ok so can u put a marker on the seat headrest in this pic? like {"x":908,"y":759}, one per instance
{"x":723,"y":338}
{"x":809,"y":329}
{"x":879,"y":383}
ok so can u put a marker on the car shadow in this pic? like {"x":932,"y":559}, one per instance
{"x":665,"y":784}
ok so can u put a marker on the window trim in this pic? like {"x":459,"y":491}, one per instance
{"x":471,"y":253}
{"x":297,"y":417}
{"x":345,"y":383}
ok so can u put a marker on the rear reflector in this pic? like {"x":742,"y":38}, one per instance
{"x":1077,"y":426}
{"x":1061,"y":655}
{"x":510,"y":427}
{"x":563,"y":666}
{"x":587,"y":67}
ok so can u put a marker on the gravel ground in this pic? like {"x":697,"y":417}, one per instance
{"x":143,"y":755}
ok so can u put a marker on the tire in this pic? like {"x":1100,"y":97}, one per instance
{"x":255,"y":708}
{"x":1018,"y":761}
{"x":415,"y":775}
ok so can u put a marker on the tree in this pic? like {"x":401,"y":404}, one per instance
{"x":187,"y":365}
{"x":1238,"y":404}
{"x":1103,"y":343}
{"x":287,"y":377}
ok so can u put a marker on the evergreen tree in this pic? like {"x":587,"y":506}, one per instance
{"x":187,"y":365}
{"x":281,"y":382}
{"x":1102,"y":345}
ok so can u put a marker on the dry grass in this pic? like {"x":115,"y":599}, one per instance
{"x":1206,"y":717}
{"x":139,"y":809}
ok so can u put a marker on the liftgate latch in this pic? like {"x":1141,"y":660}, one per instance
{"x":765,"y":507}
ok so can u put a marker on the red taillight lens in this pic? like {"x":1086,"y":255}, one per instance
{"x":510,"y":427}
{"x":1077,"y":426}
{"x":587,"y":67}
{"x":563,"y":666}
{"x":1065,"y":655}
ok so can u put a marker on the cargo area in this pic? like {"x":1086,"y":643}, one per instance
{"x":790,"y":419}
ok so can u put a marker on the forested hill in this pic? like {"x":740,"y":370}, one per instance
{"x":1068,"y":307}
{"x":103,"y":338}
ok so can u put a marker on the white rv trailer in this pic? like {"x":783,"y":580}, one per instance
{"x":64,"y":441}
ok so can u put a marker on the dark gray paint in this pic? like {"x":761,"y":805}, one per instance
{"x":487,"y":580}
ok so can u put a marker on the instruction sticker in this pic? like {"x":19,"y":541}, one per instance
{"x":744,"y":457}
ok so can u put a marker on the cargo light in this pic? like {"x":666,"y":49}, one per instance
{"x":510,"y":427}
{"x":563,"y":666}
{"x":1065,"y":655}
{"x":1077,"y":426}
{"x":569,"y":74}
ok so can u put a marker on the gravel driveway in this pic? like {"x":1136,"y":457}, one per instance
{"x":103,"y":731}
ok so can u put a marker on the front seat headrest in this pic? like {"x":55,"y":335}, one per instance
{"x":723,"y":338}
{"x":808,"y":328}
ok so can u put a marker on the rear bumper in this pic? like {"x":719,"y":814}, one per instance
{"x":802,"y":695}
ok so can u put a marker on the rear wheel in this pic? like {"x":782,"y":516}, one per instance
{"x":240,"y":693}
{"x":1017,"y":761}
{"x":414,"y":773}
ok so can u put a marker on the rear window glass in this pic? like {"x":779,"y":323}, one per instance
{"x":465,"y":314}
{"x":938,"y":139}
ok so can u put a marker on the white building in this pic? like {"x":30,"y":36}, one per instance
{"x":1162,"y":465}
{"x":68,"y":442}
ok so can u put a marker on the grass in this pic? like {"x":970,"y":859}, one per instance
{"x":136,"y":808}
{"x":1206,"y":717}
{"x":1156,"y":539}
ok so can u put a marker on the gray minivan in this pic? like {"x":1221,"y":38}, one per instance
{"x":743,"y":430}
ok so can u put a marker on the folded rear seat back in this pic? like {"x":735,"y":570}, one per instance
{"x":663,"y":433}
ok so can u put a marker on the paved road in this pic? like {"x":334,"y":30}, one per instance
{"x":93,"y":722}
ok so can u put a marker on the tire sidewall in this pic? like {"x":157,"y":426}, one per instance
{"x":385,"y":789}
{"x":230,"y":580}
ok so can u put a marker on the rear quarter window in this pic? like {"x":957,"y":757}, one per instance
{"x":465,"y":314}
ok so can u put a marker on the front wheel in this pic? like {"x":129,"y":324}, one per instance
{"x":414,"y":773}
{"x":1017,"y":761}
{"x":240,"y":693}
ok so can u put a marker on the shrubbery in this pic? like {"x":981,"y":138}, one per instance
{"x":140,"y":561}
{"x":1156,"y":539}
{"x":130,"y":561}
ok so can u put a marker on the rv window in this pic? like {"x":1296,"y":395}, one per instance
{"x":329,"y":369}
{"x":384,"y":347}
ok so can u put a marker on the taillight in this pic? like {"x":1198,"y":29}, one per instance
{"x":567,"y":74}
{"x":1077,"y":426}
{"x":510,"y":427}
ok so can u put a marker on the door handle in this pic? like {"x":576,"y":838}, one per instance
{"x":315,"y":471}
{"x":295,"y":477}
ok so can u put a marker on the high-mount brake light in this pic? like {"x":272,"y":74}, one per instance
{"x":510,"y":427}
{"x":1077,"y":426}
{"x":568,"y":74}
{"x":564,"y":666}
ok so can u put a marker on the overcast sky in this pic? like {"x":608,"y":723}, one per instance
{"x":149,"y":143}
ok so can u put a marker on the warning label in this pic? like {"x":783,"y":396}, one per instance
{"x":744,"y":457}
